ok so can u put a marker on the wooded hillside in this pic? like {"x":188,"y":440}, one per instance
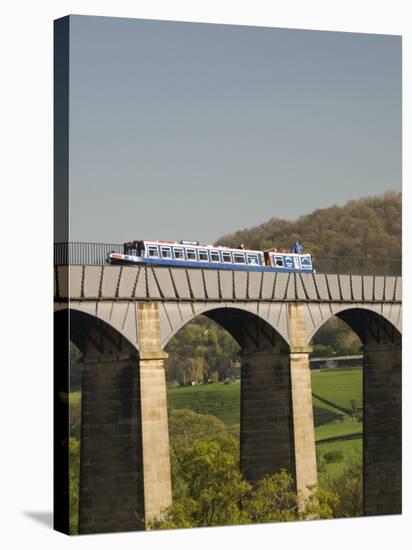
{"x":369,"y":227}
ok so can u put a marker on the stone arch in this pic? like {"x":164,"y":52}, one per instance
{"x":174,"y":316}
{"x":94,"y":336}
{"x":120,"y":317}
{"x":248,"y":328}
{"x":269,"y":440}
{"x":381,"y":344}
{"x":314,"y":321}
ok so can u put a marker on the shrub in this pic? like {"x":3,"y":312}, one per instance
{"x":349,"y":488}
{"x":333,"y":457}
{"x":214,"y":377}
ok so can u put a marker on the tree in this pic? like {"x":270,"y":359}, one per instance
{"x":369,"y":227}
{"x":186,"y":427}
{"x":199,"y":349}
{"x":209,"y":489}
{"x":214,"y":489}
{"x":349,"y":488}
{"x":218,"y":495}
{"x":273,"y":500}
{"x":335,"y":337}
{"x":74,"y":469}
{"x":195,"y":368}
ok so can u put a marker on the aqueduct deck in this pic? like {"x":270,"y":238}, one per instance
{"x":109,"y":292}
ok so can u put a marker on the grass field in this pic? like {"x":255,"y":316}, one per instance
{"x":339,"y":428}
{"x":348,"y":447}
{"x":339,"y":386}
{"x":223,"y":400}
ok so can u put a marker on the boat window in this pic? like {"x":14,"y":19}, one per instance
{"x":278,"y":261}
{"x":252,"y":259}
{"x":226,"y":257}
{"x":153,"y":251}
{"x":288,"y":262}
{"x":166,"y":252}
{"x":239,"y":258}
{"x":203,"y":256}
{"x":128,"y":248}
{"x":190,"y":253}
{"x":214,"y":256}
{"x":306,"y":262}
{"x":179,"y":253}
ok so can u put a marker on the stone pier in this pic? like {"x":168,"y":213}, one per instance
{"x":277,"y":428}
{"x":125,"y":477}
{"x":301,"y":394}
{"x":155,"y":429}
{"x":266,"y":440}
{"x":382,"y":427}
{"x":111,"y":473}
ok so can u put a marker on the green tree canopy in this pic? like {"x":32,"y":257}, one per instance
{"x":209,"y":489}
{"x":369,"y":227}
{"x":348,"y":487}
{"x":200,"y":349}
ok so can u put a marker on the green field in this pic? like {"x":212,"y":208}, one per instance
{"x":348,"y":447}
{"x":335,"y":392}
{"x":338,"y":388}
{"x":221,"y":400}
{"x":339,"y":428}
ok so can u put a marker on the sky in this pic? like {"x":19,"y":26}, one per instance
{"x":193,"y":130}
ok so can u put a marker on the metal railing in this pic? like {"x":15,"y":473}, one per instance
{"x":76,"y":253}
{"x":356,"y":265}
{"x":79,"y":253}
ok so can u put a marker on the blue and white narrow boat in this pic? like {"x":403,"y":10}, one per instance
{"x":193,"y":254}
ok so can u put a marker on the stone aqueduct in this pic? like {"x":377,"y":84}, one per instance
{"x":122,"y":318}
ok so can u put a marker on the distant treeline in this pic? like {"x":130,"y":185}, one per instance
{"x":369,"y":227}
{"x":200,"y":351}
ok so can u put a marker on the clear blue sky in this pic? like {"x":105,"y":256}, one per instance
{"x":190,"y":130}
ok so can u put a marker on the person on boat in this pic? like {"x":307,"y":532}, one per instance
{"x":298,"y":248}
